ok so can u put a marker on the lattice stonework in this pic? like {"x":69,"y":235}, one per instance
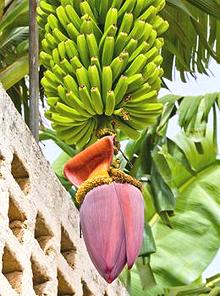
{"x":40,"y":247}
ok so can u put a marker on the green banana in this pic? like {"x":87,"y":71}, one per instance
{"x":66,"y":66}
{"x":82,"y":77}
{"x":117,"y":4}
{"x":41,"y":13}
{"x":95,"y":61}
{"x":139,"y":8}
{"x":53,"y":21}
{"x":110,"y":103}
{"x":141,"y":49}
{"x":154,"y":76}
{"x":73,"y":139}
{"x":51,"y":76}
{"x":94,"y":78}
{"x":159,"y":4}
{"x":73,"y":16}
{"x":111,"y":31}
{"x":70,"y":84}
{"x":131,"y":46}
{"x":97,"y":100}
{"x":138,"y":30}
{"x":86,"y":9}
{"x":152,"y":38}
{"x":149,"y":70}
{"x":126,"y":7}
{"x":86,"y":99}
{"x":60,"y":73}
{"x":51,"y":40}
{"x":60,"y":119}
{"x":76,"y":64}
{"x":151,"y":54}
{"x":120,"y":43}
{"x":149,"y":13}
{"x":111,"y":18}
{"x":126,"y":23}
{"x":96,"y":30}
{"x":56,"y":56}
{"x":62,"y":16}
{"x":107,"y":76}
{"x":141,"y":91}
{"x":46,"y":47}
{"x":62,"y":50}
{"x":72,"y":32}
{"x":59,"y":36}
{"x":47,"y":28}
{"x":158,"y":60}
{"x":69,"y":112}
{"x":135,"y":82}
{"x":41,"y":21}
{"x":118,"y":65}
{"x":159,"y":42}
{"x":162,"y":28}
{"x":61,"y":92}
{"x":83,"y":50}
{"x":71,"y":49}
{"x":46,"y":7}
{"x":73,"y":101}
{"x":69,"y":135}
{"x":92,"y":45}
{"x":137,"y":65}
{"x":48,"y":85}
{"x":149,"y":109}
{"x":52,"y":101}
{"x":141,"y":124}
{"x":126,"y":129}
{"x":87,"y":26}
{"x":108,"y":50}
{"x":156,"y":85}
{"x":146,"y":33}
{"x":103,"y":8}
{"x":88,"y":135}
{"x":120,"y":89}
{"x":134,"y":101}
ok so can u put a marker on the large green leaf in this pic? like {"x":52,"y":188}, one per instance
{"x":193,"y":113}
{"x":15,"y":72}
{"x":193,"y":36}
{"x":212,"y":7}
{"x":16,"y":9}
{"x":185,"y":250}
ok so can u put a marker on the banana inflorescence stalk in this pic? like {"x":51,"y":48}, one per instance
{"x":102,"y":61}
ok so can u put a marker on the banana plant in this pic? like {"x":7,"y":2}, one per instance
{"x":181,"y":193}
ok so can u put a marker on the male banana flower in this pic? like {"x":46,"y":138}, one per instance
{"x":112,"y":208}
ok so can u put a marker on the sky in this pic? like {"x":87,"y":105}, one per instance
{"x":201,"y":85}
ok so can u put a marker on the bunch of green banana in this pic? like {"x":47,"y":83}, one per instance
{"x":103,"y":65}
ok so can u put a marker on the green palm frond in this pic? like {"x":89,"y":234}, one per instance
{"x":193,"y":113}
{"x":193,"y":37}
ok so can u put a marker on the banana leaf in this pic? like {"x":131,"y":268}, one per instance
{"x":193,"y":36}
{"x":184,"y":251}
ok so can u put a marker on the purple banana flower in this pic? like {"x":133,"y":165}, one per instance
{"x":111,"y":215}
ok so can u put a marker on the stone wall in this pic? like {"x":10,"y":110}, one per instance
{"x":40,"y":245}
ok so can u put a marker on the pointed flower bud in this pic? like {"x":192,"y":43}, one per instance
{"x":112,"y":211}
